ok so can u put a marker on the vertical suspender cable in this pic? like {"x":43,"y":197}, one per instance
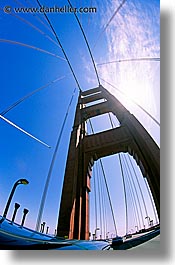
{"x":40,"y":213}
{"x":124,"y":188}
{"x":99,"y":197}
{"x":133,"y":194}
{"x":134,"y":186}
{"x":151,"y":199}
{"x":95,"y":195}
{"x":104,"y":207}
{"x":133,"y":202}
{"x":110,"y":202}
{"x":138,"y":186}
{"x":108,"y":193}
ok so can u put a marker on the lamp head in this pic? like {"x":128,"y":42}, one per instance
{"x":23,"y":181}
{"x":25,"y":211}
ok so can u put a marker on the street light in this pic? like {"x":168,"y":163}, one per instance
{"x":47,"y":230}
{"x":44,"y":223}
{"x":25,"y":212}
{"x":17,"y":205}
{"x":147,"y":217}
{"x":96,"y":229}
{"x":18,"y":182}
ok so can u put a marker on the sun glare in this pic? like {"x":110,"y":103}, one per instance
{"x":136,"y":90}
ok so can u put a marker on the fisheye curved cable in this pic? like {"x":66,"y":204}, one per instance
{"x":131,"y":60}
{"x":106,"y":185}
{"x":125,"y":194}
{"x":22,"y":130}
{"x":138,"y":105}
{"x":85,"y":38}
{"x":34,"y":27}
{"x":31,"y":47}
{"x":43,"y":200}
{"x":29,"y":95}
{"x":65,"y":55}
{"x":105,"y":27}
{"x":34,"y":14}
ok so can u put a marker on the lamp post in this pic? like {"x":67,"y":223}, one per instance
{"x":151,"y":223}
{"x":47,"y":230}
{"x":25,"y":212}
{"x":96,"y":229}
{"x":42,"y":227}
{"x":18,"y":182}
{"x":147,"y":217}
{"x":17,"y":205}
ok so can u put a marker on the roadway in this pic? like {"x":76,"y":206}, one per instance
{"x":148,"y":240}
{"x":13,"y":236}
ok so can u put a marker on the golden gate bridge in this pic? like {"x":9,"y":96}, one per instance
{"x":87,"y":148}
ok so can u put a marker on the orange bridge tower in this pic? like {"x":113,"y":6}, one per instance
{"x":84,"y":149}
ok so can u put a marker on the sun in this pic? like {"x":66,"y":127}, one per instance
{"x":136,"y":85}
{"x":134,"y":90}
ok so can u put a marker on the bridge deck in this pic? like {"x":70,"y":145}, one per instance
{"x":13,"y":236}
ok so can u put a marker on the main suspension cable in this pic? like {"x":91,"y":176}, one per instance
{"x":65,"y":55}
{"x":85,"y":38}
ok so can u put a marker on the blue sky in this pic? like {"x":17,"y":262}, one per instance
{"x":133,"y":33}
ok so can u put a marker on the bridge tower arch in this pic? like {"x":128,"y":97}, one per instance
{"x":84,"y":149}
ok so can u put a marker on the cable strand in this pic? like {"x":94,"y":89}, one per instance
{"x":65,"y":55}
{"x":42,"y":204}
{"x":84,"y":35}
